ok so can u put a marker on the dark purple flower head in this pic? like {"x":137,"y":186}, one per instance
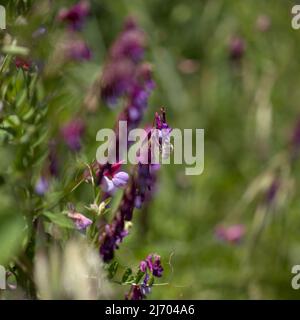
{"x":135,"y":293}
{"x":154,"y":265}
{"x":72,"y":133}
{"x":236,"y":48}
{"x":76,"y":15}
{"x":78,"y":50}
{"x":41,"y":186}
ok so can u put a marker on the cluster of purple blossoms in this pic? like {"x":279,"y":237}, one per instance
{"x":138,"y":187}
{"x":75,"y":16}
{"x":74,"y":47}
{"x":115,"y":231}
{"x":125,"y":75}
{"x":151,"y":266}
{"x":147,"y":173}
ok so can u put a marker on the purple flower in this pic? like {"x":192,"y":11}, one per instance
{"x":143,"y":266}
{"x":120,"y":179}
{"x":112,"y":237}
{"x":236,"y":48}
{"x":72,"y":133}
{"x":41,"y":186}
{"x":81,"y":222}
{"x":76,"y":15}
{"x":135,"y":293}
{"x":39,"y":32}
{"x":112,"y":179}
{"x":78,"y":50}
{"x":150,"y":266}
{"x":154,"y":265}
{"x":231,"y":234}
{"x":130,"y":44}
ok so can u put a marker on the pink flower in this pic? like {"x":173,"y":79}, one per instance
{"x":81,"y":222}
{"x":231,"y":234}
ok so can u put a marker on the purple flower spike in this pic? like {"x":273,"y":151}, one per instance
{"x":81,"y":222}
{"x":41,"y":186}
{"x":76,"y":15}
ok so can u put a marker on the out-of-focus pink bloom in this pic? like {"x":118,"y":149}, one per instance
{"x":263,"y":23}
{"x":72,"y":133}
{"x":81,"y":222}
{"x":76,"y":15}
{"x":188,"y":66}
{"x":231,"y":234}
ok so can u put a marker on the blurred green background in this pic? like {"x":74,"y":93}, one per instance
{"x":248,"y":108}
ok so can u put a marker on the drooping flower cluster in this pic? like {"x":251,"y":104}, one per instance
{"x":151,"y":266}
{"x":126,"y":76}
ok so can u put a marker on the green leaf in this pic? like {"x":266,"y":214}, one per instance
{"x":139,"y":276}
{"x":126,"y":275}
{"x":59,"y":219}
{"x":112,"y":269}
{"x":11,"y":236}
